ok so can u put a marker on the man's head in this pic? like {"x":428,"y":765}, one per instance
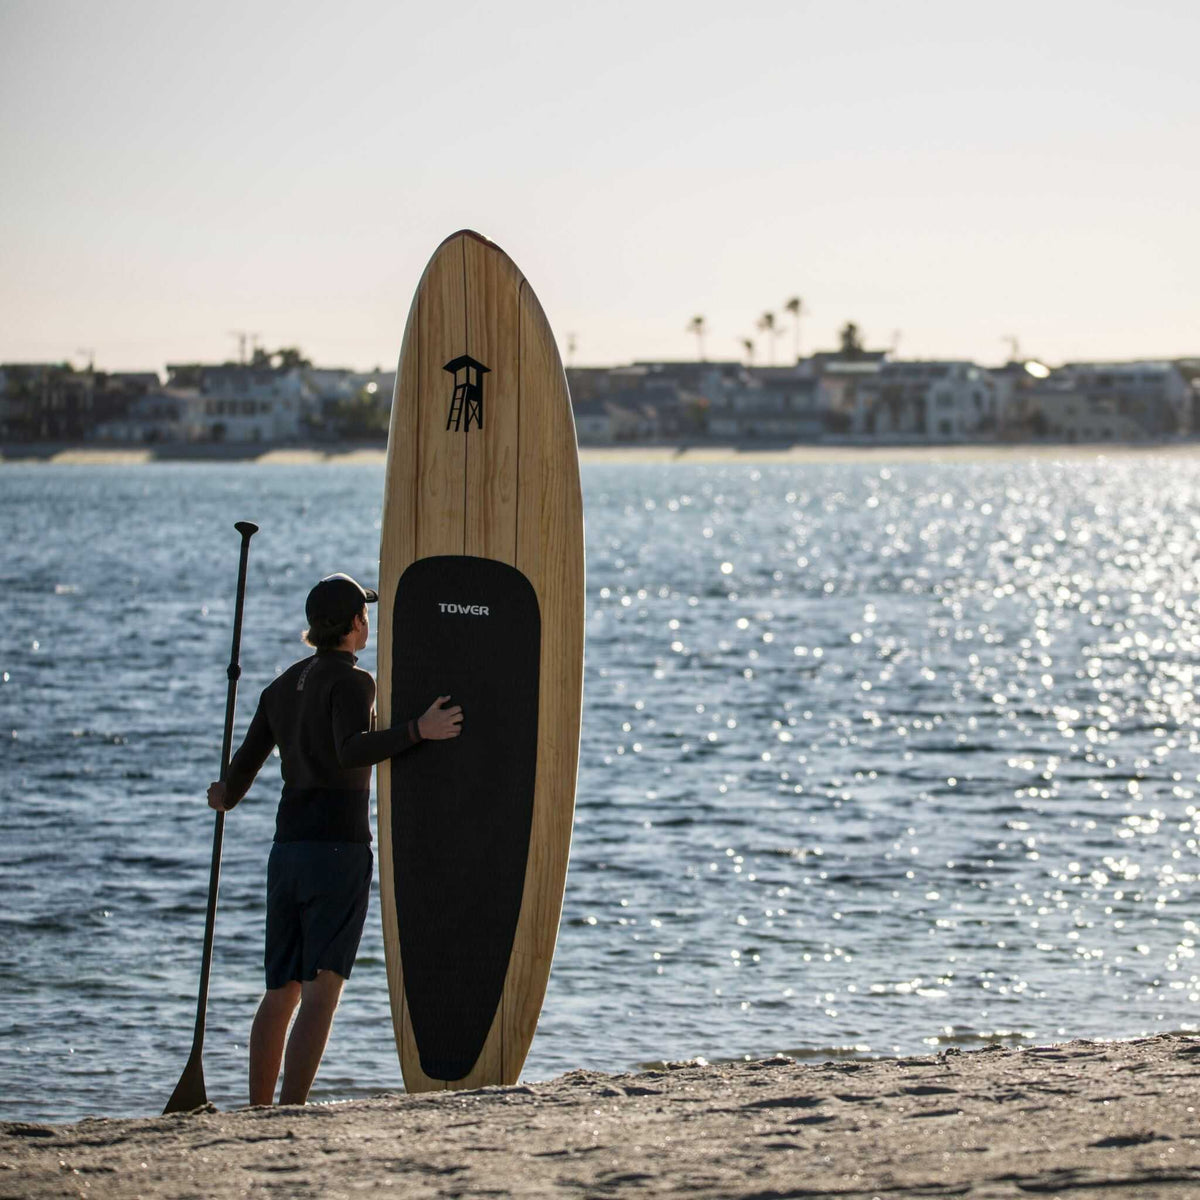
{"x":336,"y":609}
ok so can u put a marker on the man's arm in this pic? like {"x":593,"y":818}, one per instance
{"x":358,"y":745}
{"x":245,"y":764}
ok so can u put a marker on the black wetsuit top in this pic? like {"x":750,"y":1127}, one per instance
{"x":320,"y":714}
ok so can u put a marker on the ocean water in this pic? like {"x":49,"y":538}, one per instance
{"x":876,"y":760}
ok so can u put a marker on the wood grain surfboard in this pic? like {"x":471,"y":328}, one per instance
{"x":481,"y":592}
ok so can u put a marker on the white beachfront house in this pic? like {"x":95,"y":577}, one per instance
{"x":251,"y":404}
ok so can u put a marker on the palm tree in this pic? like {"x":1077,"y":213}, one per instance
{"x":795,"y":306}
{"x":698,"y":326}
{"x":748,"y":346}
{"x":767,"y":324}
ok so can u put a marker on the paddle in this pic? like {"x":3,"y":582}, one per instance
{"x":189,"y":1092}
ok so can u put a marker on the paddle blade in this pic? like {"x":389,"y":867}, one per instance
{"x":189,"y":1091}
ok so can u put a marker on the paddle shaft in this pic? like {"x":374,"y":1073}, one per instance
{"x":247,"y":529}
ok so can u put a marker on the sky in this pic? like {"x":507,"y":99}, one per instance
{"x":945,"y":174}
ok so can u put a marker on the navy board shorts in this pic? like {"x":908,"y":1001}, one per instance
{"x":317,"y":894}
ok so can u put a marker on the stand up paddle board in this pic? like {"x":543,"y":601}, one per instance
{"x":481,"y":599}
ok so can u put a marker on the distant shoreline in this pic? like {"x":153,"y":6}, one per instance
{"x":374,"y":453}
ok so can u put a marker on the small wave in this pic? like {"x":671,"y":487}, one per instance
{"x":996,"y":1037}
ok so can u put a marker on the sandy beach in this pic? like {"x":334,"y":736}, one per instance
{"x":1116,"y":1119}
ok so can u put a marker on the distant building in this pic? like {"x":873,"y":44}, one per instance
{"x":252,"y":404}
{"x":778,"y":404}
{"x":1155,"y":398}
{"x":684,"y":394}
{"x":330,"y":386}
{"x":1114,"y":402}
{"x":351,"y":404}
{"x":1015,"y":385}
{"x":841,"y":389}
{"x":616,"y":417}
{"x":841,"y":376}
{"x":937,"y":401}
{"x":633,"y":417}
{"x":45,"y":402}
{"x":646,"y":401}
{"x":1064,"y":412}
{"x":592,"y":422}
{"x":160,"y":415}
{"x":852,"y":393}
{"x":116,"y":392}
{"x":203,"y":403}
{"x":589,"y":383}
{"x":1189,"y":368}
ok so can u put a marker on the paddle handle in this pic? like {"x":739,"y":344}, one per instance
{"x":247,"y":529}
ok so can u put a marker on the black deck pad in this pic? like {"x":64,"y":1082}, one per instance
{"x":462,"y":808}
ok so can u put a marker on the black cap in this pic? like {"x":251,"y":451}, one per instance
{"x":336,"y":599}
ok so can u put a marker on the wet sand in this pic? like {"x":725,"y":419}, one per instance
{"x":1083,"y":1119}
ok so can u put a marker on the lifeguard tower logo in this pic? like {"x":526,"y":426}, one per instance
{"x":466,"y":402}
{"x":466,"y":610}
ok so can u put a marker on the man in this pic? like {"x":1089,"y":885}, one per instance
{"x":320,"y":713}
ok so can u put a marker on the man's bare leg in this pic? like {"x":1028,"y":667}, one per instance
{"x":266,"y":1040}
{"x":310,"y":1033}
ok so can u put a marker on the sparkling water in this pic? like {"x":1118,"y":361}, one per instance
{"x":876,"y":759}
